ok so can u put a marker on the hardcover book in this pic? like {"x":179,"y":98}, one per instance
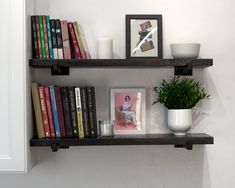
{"x":79,"y":112}
{"x":65,"y":39}
{"x":44,"y":112}
{"x":55,"y":111}
{"x":49,"y":111}
{"x":42,"y":37}
{"x":60,"y":111}
{"x":37,"y":110}
{"x":34,"y":38}
{"x":73,"y":112}
{"x":45,"y":36}
{"x":49,"y":37}
{"x":67,"y":116}
{"x":38,"y":37}
{"x":53,"y":38}
{"x":59,"y":39}
{"x":88,"y":54}
{"x":79,"y":40}
{"x":85,"y":112}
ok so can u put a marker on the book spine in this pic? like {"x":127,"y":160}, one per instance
{"x":55,"y":111}
{"x":88,"y":55}
{"x":79,"y":112}
{"x":53,"y":38}
{"x":34,"y":38}
{"x":44,"y":112}
{"x":49,"y":111}
{"x":67,"y":116}
{"x":92,"y":111}
{"x":38,"y":37}
{"x":45,"y":36}
{"x":79,"y":40}
{"x":65,"y":39}
{"x":74,"y":41}
{"x":59,"y":39}
{"x":85,"y":112}
{"x":37,"y":110}
{"x":60,"y":111}
{"x":73,"y":113}
{"x":49,"y":37}
{"x":42,"y":37}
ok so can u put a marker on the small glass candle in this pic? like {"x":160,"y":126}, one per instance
{"x":106,"y":127}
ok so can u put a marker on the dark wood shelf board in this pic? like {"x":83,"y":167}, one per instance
{"x":149,"y":139}
{"x":120,"y":63}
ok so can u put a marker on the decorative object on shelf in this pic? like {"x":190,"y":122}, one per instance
{"x":144,"y":36}
{"x":179,"y":96}
{"x":128,"y":109}
{"x":185,"y":50}
{"x":105,"y":48}
{"x":106,"y":127}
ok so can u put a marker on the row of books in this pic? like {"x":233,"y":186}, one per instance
{"x":64,"y":111}
{"x":56,"y":39}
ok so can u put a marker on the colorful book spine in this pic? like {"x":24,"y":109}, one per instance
{"x":79,"y":40}
{"x":44,"y":112}
{"x":55,"y":111}
{"x":79,"y":112}
{"x":65,"y":39}
{"x":38,"y":37}
{"x":45,"y":36}
{"x":60,"y":111}
{"x":37,"y":110}
{"x":34,"y":38}
{"x":42,"y":37}
{"x":49,"y":37}
{"x":74,"y":41}
{"x":49,"y":111}
{"x":53,"y":38}
{"x":92,"y":111}
{"x":88,"y":54}
{"x":67,"y":116}
{"x":59,"y":39}
{"x":73,"y":112}
{"x":85,"y":112}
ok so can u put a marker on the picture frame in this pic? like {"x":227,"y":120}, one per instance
{"x":128,"y":110}
{"x":144,"y":36}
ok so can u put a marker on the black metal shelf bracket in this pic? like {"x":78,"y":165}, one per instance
{"x":184,"y":70}
{"x":187,"y":145}
{"x":57,"y":70}
{"x":55,"y":147}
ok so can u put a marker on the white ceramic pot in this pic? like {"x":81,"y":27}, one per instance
{"x":179,"y":121}
{"x":185,"y":50}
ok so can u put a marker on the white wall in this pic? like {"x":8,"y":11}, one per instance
{"x":209,"y":22}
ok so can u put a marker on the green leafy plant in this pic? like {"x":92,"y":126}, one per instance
{"x":179,"y":93}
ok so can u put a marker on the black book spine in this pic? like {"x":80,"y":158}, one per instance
{"x":85,"y":112}
{"x":53,"y":34}
{"x":34,"y":38}
{"x":58,"y":34}
{"x":66,"y":111}
{"x":73,"y":112}
{"x":92,"y":111}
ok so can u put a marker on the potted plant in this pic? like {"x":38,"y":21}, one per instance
{"x":179,"y":96}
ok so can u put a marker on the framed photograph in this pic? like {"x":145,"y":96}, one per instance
{"x":144,"y":36}
{"x":128,"y":109}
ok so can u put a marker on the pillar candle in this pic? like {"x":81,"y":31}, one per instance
{"x":105,"y":48}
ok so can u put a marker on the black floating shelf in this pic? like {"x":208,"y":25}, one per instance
{"x":61,"y":66}
{"x":150,"y":139}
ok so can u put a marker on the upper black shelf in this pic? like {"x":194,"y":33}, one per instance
{"x":61,"y":66}
{"x":150,"y":139}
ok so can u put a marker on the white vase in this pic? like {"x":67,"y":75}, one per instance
{"x":179,"y":121}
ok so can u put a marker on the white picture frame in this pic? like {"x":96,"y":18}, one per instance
{"x":128,"y":110}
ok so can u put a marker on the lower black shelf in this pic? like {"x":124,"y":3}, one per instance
{"x":150,"y":139}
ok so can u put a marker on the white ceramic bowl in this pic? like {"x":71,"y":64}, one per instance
{"x":185,"y":50}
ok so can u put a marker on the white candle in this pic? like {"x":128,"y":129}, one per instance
{"x":105,"y":48}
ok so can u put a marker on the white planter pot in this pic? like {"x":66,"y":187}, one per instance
{"x":179,"y":121}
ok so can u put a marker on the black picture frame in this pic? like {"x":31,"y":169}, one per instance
{"x":157,"y":17}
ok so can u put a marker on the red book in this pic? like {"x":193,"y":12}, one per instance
{"x":45,"y":36}
{"x":60,"y":111}
{"x":44,"y":112}
{"x":49,"y":111}
{"x":77,"y":52}
{"x":38,"y":38}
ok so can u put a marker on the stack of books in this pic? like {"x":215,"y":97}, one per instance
{"x":64,"y":111}
{"x":55,"y":39}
